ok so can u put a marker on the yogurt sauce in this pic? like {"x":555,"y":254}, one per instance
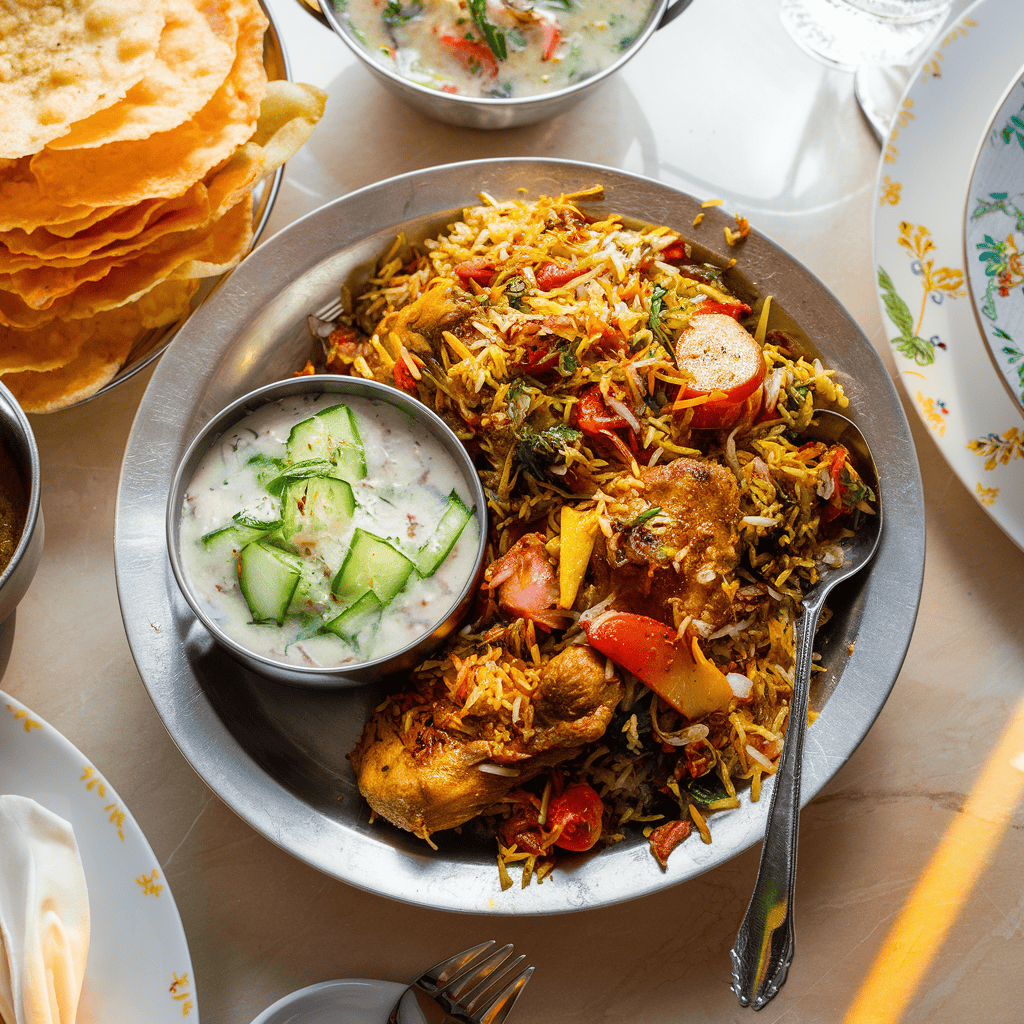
{"x":501,"y":48}
{"x":409,"y":476}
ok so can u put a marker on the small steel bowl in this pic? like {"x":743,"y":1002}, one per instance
{"x":420,"y":419}
{"x":486,"y":112}
{"x":17,"y":438}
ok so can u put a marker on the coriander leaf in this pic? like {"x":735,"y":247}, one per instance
{"x":644,"y":516}
{"x":395,"y":14}
{"x":493,"y":37}
{"x":537,"y":450}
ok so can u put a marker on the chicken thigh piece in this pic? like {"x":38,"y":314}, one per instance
{"x":674,"y":544}
{"x":435,"y":757}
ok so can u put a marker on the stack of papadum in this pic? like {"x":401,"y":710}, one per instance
{"x":132,"y":134}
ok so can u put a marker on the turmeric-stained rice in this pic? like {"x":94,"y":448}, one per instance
{"x":550,"y":341}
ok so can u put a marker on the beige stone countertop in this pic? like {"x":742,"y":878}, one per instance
{"x":720,"y":106}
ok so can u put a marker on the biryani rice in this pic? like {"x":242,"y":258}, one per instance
{"x":607,"y":322}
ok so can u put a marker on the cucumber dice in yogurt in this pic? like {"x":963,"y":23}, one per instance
{"x":324,"y":533}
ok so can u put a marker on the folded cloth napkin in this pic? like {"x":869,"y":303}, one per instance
{"x":44,"y":915}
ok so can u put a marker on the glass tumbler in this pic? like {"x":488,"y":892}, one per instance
{"x":852,"y":33}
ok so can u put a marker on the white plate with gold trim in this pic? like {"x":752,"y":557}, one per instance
{"x":139,"y":967}
{"x":923,"y":178}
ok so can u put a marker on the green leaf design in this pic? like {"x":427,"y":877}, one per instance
{"x":920,"y":350}
{"x":895,"y":307}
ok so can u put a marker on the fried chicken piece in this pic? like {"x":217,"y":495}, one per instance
{"x":421,"y":324}
{"x":672,"y":563}
{"x":419,"y":760}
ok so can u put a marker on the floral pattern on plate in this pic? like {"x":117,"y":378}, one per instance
{"x":139,"y":967}
{"x":923,"y":294}
{"x":994,"y":239}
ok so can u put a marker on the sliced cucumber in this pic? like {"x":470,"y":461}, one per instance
{"x":258,"y":522}
{"x":437,"y":547}
{"x":332,"y":435}
{"x":266,"y":468}
{"x":358,"y":623}
{"x":298,"y":471}
{"x":267,"y":576}
{"x":317,"y":505}
{"x":229,"y":540}
{"x":371,"y":564}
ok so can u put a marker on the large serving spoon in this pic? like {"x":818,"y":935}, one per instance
{"x":764,"y":945}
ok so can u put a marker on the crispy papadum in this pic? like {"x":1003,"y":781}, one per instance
{"x":123,"y":185}
{"x":195,"y":53}
{"x":59,"y":64}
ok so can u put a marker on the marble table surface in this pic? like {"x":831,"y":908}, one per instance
{"x":720,"y":104}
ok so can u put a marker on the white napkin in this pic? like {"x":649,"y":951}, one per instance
{"x":44,"y":915}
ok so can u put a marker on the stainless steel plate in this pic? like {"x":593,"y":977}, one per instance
{"x":277,"y":755}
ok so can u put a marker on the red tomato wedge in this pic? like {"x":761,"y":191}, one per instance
{"x":552,"y":37}
{"x":473,"y":56}
{"x":724,"y":362}
{"x":554,"y":275}
{"x":577,"y":812}
{"x":403,"y":377}
{"x":674,"y":253}
{"x":479,"y":269}
{"x":593,"y":416}
{"x":665,"y":838}
{"x":680,"y":675}
{"x":734,"y":309}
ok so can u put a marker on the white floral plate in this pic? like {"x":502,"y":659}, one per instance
{"x":994,"y":240}
{"x":139,"y":967}
{"x":922,"y":185}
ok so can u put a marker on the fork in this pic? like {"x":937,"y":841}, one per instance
{"x":472,"y":987}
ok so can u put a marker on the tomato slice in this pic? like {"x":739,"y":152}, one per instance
{"x":734,"y":309}
{"x":675,"y":252}
{"x":577,"y":811}
{"x":665,"y":838}
{"x":403,"y":377}
{"x":726,"y":367}
{"x":593,"y":417}
{"x":552,"y":37}
{"x":479,"y":269}
{"x":554,"y":275}
{"x":473,"y":56}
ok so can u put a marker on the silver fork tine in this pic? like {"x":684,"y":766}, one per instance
{"x":484,"y":986}
{"x":498,"y":1009}
{"x":450,"y":970}
{"x":465,"y":986}
{"x":470,"y":987}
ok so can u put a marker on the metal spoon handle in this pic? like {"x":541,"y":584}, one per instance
{"x":764,"y":944}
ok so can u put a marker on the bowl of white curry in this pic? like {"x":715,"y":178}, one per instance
{"x":495,"y":63}
{"x":327,"y":531}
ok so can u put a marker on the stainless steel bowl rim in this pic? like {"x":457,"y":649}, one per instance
{"x":662,"y":12}
{"x":34,"y":512}
{"x":358,"y":673}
